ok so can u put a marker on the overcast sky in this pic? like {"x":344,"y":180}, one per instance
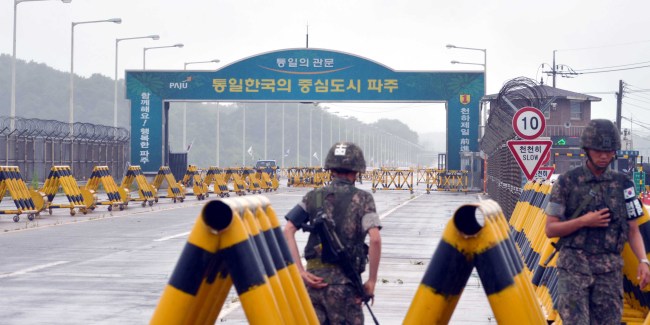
{"x":519,"y":36}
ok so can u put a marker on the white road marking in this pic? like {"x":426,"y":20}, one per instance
{"x":32,"y":269}
{"x":397,"y":207}
{"x":225,"y":311}
{"x":173,"y":236}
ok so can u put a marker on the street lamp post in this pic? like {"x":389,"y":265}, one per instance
{"x":311,"y":109}
{"x":12,"y":114}
{"x":74,"y":24}
{"x":322,"y":114}
{"x":185,"y":103}
{"x":450,"y":46}
{"x":283,"y":152}
{"x":144,"y":52}
{"x":117,"y":43}
{"x":298,"y":135}
{"x":332,"y":133}
{"x":218,"y":133}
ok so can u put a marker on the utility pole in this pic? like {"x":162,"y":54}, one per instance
{"x":619,"y":105}
{"x":554,"y":69}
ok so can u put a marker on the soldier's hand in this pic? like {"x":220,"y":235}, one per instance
{"x":369,"y":287}
{"x":599,"y":218}
{"x":312,"y":280}
{"x":643,"y":275}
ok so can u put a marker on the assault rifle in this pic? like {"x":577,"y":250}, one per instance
{"x":334,"y":252}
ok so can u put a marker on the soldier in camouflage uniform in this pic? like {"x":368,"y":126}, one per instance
{"x":354,"y":214}
{"x":594,"y":210}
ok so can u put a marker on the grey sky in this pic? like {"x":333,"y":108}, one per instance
{"x":404,"y":35}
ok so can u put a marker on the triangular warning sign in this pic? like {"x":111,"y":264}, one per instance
{"x":529,"y":154}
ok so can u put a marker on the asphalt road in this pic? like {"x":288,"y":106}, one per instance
{"x":111,"y":267}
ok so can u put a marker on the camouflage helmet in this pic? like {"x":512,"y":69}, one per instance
{"x":345,"y":156}
{"x":601,"y":135}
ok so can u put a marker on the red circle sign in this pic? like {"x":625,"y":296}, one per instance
{"x":528,"y":123}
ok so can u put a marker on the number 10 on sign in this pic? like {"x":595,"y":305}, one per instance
{"x":528,"y":123}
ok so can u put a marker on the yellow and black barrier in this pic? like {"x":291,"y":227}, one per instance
{"x":451,"y":180}
{"x":216,"y":175}
{"x":193,"y":178}
{"x":265,"y":180}
{"x":249,"y":175}
{"x":239,"y":186}
{"x":146,"y":192}
{"x":27,"y":201}
{"x":429,"y":176}
{"x":117,"y":196}
{"x":175,"y":191}
{"x":61,"y":177}
{"x":469,"y":241}
{"x":306,"y":176}
{"x":392,"y":179}
{"x":235,"y":241}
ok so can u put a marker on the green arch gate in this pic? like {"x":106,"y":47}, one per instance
{"x":300,"y":75}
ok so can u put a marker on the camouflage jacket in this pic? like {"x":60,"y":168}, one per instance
{"x":590,"y":249}
{"x":353,"y":211}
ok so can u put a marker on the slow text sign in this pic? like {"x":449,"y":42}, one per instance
{"x":529,"y":154}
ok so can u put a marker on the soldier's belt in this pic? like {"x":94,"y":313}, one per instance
{"x":317,"y":264}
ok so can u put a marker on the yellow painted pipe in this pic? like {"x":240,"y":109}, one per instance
{"x":303,"y":295}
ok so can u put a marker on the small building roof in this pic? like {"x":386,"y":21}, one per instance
{"x":556,"y":92}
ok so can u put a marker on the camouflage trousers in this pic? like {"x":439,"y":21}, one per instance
{"x":335,"y":305}
{"x":589,"y":299}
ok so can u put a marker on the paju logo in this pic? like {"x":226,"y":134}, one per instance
{"x":180,"y":85}
{"x":465,"y":99}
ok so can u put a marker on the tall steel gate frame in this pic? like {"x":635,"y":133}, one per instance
{"x":301,"y":75}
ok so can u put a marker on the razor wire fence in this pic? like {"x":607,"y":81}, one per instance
{"x":35,"y":145}
{"x":504,"y":177}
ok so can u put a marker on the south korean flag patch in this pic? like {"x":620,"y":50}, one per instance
{"x":629,"y":193}
{"x":340,"y":149}
{"x":632,"y":204}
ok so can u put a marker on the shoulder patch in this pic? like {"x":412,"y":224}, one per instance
{"x":629,"y":193}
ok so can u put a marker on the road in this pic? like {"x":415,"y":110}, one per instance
{"x":111,"y":267}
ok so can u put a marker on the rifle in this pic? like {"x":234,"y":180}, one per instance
{"x":334,"y":252}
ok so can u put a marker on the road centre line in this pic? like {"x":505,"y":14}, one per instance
{"x":397,"y":207}
{"x":32,"y":269}
{"x":173,"y":236}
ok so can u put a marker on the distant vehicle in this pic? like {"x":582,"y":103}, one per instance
{"x":268,"y":166}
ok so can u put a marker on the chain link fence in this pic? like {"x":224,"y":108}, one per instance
{"x":35,"y":145}
{"x":504,"y":177}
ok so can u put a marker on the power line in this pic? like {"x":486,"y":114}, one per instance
{"x":641,"y":107}
{"x":636,"y":97}
{"x":605,"y":46}
{"x":613,"y":70}
{"x":614,"y":66}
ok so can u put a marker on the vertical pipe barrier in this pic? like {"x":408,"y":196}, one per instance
{"x":61,"y":176}
{"x":146,"y":192}
{"x":175,"y":191}
{"x":235,"y":241}
{"x":101,"y":175}
{"x":478,"y":240}
{"x":26,"y":201}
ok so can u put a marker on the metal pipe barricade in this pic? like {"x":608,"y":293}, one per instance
{"x":392,"y":179}
{"x":193,"y":178}
{"x":175,"y":191}
{"x":471,"y":241}
{"x":235,"y":241}
{"x":117,"y":197}
{"x":81,"y":199}
{"x":146,"y":192}
{"x":27,"y":201}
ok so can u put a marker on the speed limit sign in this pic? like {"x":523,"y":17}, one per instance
{"x":528,"y":123}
